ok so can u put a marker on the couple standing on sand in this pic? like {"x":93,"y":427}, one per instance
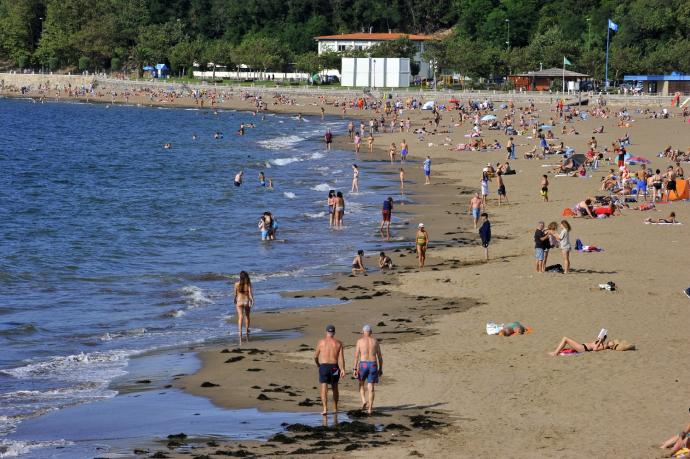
{"x":330,"y":359}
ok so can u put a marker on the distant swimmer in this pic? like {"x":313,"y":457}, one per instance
{"x":368,"y":366}
{"x":167,"y":146}
{"x":262,"y":179}
{"x":244,"y":300}
{"x":240,"y":131}
{"x":330,"y":360}
{"x":218,"y":135}
{"x":193,"y":136}
{"x":238,"y":178}
{"x":299,"y":117}
{"x":270,"y":183}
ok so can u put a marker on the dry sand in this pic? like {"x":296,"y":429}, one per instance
{"x":502,"y":397}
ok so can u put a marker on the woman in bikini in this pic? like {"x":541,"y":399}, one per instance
{"x":671,"y":219}
{"x":331,"y":208}
{"x":244,"y":300}
{"x":339,"y":210}
{"x":595,"y":346}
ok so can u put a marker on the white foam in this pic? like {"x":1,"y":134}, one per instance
{"x":82,"y":367}
{"x":194,"y":296}
{"x":281,"y":143}
{"x":289,"y":195}
{"x":315,"y":215}
{"x":284,"y":161}
{"x":322,"y":187}
{"x":12,"y":448}
{"x":316,"y":155}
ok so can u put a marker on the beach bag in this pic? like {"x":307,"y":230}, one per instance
{"x":578,"y":244}
{"x":554,"y":269}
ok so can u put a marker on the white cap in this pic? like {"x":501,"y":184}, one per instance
{"x":366,"y":329}
{"x":421,"y":225}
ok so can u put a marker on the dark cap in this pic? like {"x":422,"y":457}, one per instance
{"x":330,"y":329}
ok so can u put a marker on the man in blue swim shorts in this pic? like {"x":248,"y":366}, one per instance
{"x":368,"y":366}
{"x":330,"y":359}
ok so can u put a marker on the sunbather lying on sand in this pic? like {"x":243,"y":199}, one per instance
{"x":594,"y":346}
{"x":512,"y":328}
{"x":670,"y":219}
{"x":677,"y":442}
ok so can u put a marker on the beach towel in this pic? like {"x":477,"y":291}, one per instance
{"x":683,"y":452}
{"x":589,"y":249}
{"x":662,"y":223}
{"x":569,"y":352}
{"x":568,"y":212}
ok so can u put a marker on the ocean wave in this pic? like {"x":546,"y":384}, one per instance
{"x":322,"y":187}
{"x":316,"y":156}
{"x":289,"y":195}
{"x":314,"y":215}
{"x":285,"y":161}
{"x":82,"y":367}
{"x":15,"y":448}
{"x":194,"y":296}
{"x":19,"y":329}
{"x":109,"y":336}
{"x":282,"y":142}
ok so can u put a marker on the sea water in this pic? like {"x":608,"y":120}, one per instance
{"x":112,"y":246}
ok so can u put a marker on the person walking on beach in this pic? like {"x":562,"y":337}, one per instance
{"x":422,"y":243}
{"x":351,"y":130}
{"x":386,"y":212}
{"x":368,"y":367}
{"x":244,"y":300}
{"x":370,"y":143}
{"x":485,"y":234}
{"x":511,"y":149}
{"x":328,"y":137}
{"x":392,"y":151}
{"x":355,"y":179}
{"x":402,"y":180}
{"x":358,"y":142}
{"x":330,"y":360}
{"x":403,"y":151}
{"x":475,"y":208}
{"x":544,"y":184}
{"x":485,"y":187}
{"x":427,"y":170}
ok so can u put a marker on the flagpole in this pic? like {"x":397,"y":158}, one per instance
{"x":608,"y":33}
{"x":563,"y":75}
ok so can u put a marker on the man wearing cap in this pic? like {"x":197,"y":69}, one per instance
{"x":330,"y":359}
{"x":368,"y":366}
{"x":422,"y":242}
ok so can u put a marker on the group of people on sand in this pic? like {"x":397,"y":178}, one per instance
{"x":550,"y":237}
{"x":385,"y":263}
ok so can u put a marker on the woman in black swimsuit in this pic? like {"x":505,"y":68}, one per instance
{"x":568,"y":343}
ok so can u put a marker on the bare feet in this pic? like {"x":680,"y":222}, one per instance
{"x":553,"y":354}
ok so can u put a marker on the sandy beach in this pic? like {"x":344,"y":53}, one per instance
{"x":489,"y":395}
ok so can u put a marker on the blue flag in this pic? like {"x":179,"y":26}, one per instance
{"x":613,"y":26}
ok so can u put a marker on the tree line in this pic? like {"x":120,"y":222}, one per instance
{"x":482,"y":38}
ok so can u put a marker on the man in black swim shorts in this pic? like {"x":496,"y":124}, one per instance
{"x":330,"y":359}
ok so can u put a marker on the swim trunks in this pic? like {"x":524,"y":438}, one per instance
{"x":475,"y":212}
{"x":329,"y":373}
{"x":671,"y":185}
{"x":427,"y":172}
{"x":386,"y":215}
{"x":237,"y":184}
{"x":502,"y":190}
{"x":369,"y":372}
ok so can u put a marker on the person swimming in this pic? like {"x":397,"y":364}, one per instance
{"x":262,"y":179}
{"x":238,"y":178}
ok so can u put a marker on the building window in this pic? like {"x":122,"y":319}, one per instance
{"x":342,"y":48}
{"x":359,"y":47}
